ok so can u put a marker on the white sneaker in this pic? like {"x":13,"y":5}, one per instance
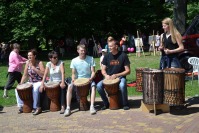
{"x":67,"y":112}
{"x":92,"y":110}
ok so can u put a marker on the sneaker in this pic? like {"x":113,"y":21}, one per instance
{"x":5,"y":93}
{"x":92,"y":110}
{"x":67,"y":112}
{"x":126,"y":108}
{"x":5,"y":96}
{"x":20,"y":110}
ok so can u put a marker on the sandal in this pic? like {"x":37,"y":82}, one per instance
{"x":38,"y":111}
{"x":20,"y":110}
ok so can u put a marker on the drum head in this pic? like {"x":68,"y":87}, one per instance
{"x":24,"y":86}
{"x":110,"y":81}
{"x":51,"y":84}
{"x":152,"y":71}
{"x":174,"y":70}
{"x":141,"y":68}
{"x":81,"y":81}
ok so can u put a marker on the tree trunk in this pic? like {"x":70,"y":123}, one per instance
{"x":180,"y":13}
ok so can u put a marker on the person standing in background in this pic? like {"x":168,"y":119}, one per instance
{"x":104,"y":51}
{"x":123,"y":44}
{"x":171,"y":45}
{"x":16,"y":62}
{"x":157,"y":41}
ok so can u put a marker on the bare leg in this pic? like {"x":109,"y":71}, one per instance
{"x":93,"y":95}
{"x":69,"y":95}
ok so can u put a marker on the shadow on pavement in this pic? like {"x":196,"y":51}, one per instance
{"x":188,"y":109}
{"x":135,"y":103}
{"x":1,"y":109}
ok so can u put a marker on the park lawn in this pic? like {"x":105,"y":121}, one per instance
{"x":149,"y":61}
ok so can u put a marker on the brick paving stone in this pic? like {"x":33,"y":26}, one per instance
{"x":111,"y":121}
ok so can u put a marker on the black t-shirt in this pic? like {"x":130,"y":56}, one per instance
{"x":115,"y":63}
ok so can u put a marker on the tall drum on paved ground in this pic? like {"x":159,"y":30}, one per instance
{"x":83,"y":85}
{"x":153,"y":85}
{"x":53,"y":93}
{"x":112,"y":89}
{"x":174,"y":86}
{"x":139,"y":78}
{"x":25,"y":94}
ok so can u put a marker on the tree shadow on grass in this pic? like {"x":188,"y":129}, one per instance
{"x":1,"y":87}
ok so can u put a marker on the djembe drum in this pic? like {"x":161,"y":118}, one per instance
{"x":139,"y":78}
{"x":53,"y":93}
{"x":83,"y":86}
{"x":174,"y":86}
{"x":25,"y":94}
{"x":153,"y":85}
{"x":112,"y":89}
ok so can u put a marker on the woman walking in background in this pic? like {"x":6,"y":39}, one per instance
{"x":16,"y":62}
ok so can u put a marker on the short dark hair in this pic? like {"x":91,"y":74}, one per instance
{"x":50,"y":55}
{"x":117,"y":43}
{"x":33,"y":51}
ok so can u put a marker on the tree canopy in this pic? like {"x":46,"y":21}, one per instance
{"x":25,"y":20}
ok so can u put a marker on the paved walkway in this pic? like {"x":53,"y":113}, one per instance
{"x":112,"y":121}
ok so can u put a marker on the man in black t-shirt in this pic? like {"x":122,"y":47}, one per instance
{"x":115,"y":64}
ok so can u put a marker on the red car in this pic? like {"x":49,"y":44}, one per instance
{"x":191,"y":44}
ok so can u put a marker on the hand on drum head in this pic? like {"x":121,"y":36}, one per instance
{"x":114,"y":76}
{"x":107,"y":77}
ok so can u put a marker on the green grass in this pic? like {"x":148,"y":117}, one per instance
{"x":147,"y":61}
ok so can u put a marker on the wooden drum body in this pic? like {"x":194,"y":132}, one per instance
{"x":83,"y":85}
{"x":53,"y":93}
{"x":139,"y":77}
{"x":112,"y":89}
{"x":174,"y":86}
{"x":153,"y":85}
{"x":25,"y":94}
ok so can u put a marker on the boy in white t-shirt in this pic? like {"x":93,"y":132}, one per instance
{"x":83,"y":66}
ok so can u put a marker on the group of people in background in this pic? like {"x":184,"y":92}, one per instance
{"x":114,"y":63}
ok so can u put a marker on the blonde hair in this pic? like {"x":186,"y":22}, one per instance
{"x":81,"y":46}
{"x":110,"y":38}
{"x":172,"y":29}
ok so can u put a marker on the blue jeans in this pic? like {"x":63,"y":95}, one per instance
{"x":122,"y":88}
{"x":169,"y":61}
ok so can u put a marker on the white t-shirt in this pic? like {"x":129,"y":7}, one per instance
{"x":83,"y":67}
{"x":55,"y":74}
